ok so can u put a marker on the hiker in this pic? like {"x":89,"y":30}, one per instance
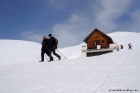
{"x":121,"y":46}
{"x":53,"y":45}
{"x":45,"y":49}
{"x":130,"y":46}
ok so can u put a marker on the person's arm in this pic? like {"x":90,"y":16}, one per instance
{"x":54,"y":42}
{"x":42,"y":45}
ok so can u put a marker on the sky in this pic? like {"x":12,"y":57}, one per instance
{"x":70,"y":21}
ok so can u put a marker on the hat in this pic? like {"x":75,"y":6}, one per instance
{"x":50,"y":35}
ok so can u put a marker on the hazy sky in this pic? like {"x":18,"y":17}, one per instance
{"x":70,"y":21}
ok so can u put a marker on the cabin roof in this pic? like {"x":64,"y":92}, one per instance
{"x":109,"y":38}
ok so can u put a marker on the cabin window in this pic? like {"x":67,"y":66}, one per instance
{"x":103,"y":41}
{"x":97,"y":42}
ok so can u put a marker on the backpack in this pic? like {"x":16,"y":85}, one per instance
{"x":56,"y":42}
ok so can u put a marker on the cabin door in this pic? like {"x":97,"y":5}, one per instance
{"x":97,"y":42}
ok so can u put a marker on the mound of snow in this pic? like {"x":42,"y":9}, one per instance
{"x":17,"y":52}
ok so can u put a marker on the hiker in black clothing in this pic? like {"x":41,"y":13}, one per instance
{"x":45,"y":49}
{"x":52,"y":46}
{"x":130,"y":46}
{"x":121,"y":46}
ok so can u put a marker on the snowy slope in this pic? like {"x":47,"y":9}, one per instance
{"x":121,"y":38}
{"x":17,"y":52}
{"x":119,"y":70}
{"x":124,"y":38}
{"x":20,"y":71}
{"x":72,"y":52}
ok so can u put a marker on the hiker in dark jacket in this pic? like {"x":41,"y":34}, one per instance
{"x":121,"y":46}
{"x":130,"y":46}
{"x":52,"y":46}
{"x":45,"y":49}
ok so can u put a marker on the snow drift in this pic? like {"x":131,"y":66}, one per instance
{"x":17,"y":52}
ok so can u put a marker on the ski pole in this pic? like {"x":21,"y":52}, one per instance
{"x":61,"y":54}
{"x":46,"y":58}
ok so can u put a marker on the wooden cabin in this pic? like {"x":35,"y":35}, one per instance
{"x":96,"y":37}
{"x":98,"y":43}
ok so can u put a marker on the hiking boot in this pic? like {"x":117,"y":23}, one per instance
{"x":59,"y":57}
{"x":51,"y":59}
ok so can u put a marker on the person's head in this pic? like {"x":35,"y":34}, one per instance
{"x":44,"y":37}
{"x":49,"y":35}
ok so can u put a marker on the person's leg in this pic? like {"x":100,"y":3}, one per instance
{"x":49,"y":54}
{"x":53,"y":50}
{"x":42,"y":55}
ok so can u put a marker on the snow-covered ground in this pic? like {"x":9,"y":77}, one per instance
{"x":18,"y":52}
{"x":124,"y":38}
{"x":20,"y":71}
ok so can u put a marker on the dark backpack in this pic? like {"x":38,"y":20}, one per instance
{"x":56,"y":42}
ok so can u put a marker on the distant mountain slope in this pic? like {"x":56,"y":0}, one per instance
{"x":121,"y":38}
{"x":124,"y":38}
